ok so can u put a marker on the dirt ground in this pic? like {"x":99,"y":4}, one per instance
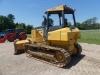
{"x":87,"y":64}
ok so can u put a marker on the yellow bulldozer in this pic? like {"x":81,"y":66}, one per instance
{"x":53,"y":44}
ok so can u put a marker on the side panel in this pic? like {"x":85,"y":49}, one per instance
{"x":65,"y":38}
{"x":54,"y":35}
{"x":37,"y":35}
{"x":33,"y":35}
{"x":59,"y":35}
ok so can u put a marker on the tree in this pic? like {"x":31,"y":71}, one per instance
{"x":51,"y":22}
{"x":78,"y":25}
{"x":90,"y":23}
{"x":69,"y":24}
{"x":11,"y":17}
{"x":2,"y":23}
{"x":28,"y":29}
{"x":6,"y":23}
{"x":20,"y":25}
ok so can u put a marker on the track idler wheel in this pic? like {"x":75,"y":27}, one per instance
{"x":79,"y":49}
{"x":62,"y":57}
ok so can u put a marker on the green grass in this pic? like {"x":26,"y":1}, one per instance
{"x":87,"y":36}
{"x":29,"y":35}
{"x":90,"y":36}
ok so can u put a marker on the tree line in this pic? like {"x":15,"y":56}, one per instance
{"x":89,"y":24}
{"x":7,"y":22}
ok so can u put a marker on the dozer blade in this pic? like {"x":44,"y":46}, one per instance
{"x":19,"y":46}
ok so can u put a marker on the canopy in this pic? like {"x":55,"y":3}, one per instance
{"x":59,"y":9}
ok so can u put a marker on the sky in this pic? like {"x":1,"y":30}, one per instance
{"x":32,"y":11}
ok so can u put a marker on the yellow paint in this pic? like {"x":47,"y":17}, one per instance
{"x":22,"y":41}
{"x":54,"y":35}
{"x":56,"y":8}
{"x":21,"y":44}
{"x":37,"y":35}
{"x":64,"y":34}
{"x":60,"y":8}
{"x":65,"y":38}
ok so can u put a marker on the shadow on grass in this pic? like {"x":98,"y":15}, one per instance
{"x":74,"y":60}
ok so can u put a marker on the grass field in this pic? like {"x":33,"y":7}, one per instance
{"x":90,"y":36}
{"x":87,"y":36}
{"x":29,"y":35}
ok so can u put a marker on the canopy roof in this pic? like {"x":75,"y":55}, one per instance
{"x":58,"y":9}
